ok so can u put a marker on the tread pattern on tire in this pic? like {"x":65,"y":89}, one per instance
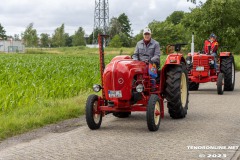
{"x":219,"y":83}
{"x":173,"y":95}
{"x":89,"y":113}
{"x":226,"y":69}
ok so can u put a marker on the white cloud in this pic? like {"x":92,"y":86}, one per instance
{"x":152,"y":5}
{"x":49,"y":14}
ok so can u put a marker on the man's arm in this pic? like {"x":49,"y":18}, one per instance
{"x":156,"y":57}
{"x":135,"y":55}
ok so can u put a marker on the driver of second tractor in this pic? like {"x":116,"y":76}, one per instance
{"x":211,"y":47}
{"x":148,"y":50}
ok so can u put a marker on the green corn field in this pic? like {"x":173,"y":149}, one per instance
{"x":28,"y":79}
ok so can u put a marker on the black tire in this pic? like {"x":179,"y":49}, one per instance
{"x":122,"y":114}
{"x":228,"y":69}
{"x":220,"y":83}
{"x":177,"y":101}
{"x":92,"y":121}
{"x":193,"y":86}
{"x":153,"y":120}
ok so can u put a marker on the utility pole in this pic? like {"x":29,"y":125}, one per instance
{"x":101,"y":18}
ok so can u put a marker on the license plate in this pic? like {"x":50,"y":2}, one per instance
{"x":200,"y":68}
{"x":115,"y":94}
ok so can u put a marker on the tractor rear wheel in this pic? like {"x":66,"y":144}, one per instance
{"x":177,"y":91}
{"x":193,"y":86}
{"x":228,"y":69}
{"x":93,"y":116}
{"x":220,"y":83}
{"x":121,"y":114}
{"x":153,"y":113}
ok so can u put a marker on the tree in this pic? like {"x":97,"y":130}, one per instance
{"x":214,"y":16}
{"x":116,"y":42}
{"x":125,"y":24}
{"x":167,"y":33}
{"x":16,"y":37}
{"x":137,"y":38}
{"x":115,"y":27}
{"x":95,"y":33}
{"x":121,"y":26}
{"x":69,"y":40}
{"x":58,"y":39}
{"x":44,"y":39}
{"x":2,"y":33}
{"x":30,"y":36}
{"x":125,"y":30}
{"x":125,"y":39}
{"x":192,"y":1}
{"x":78,"y":37}
{"x":176,"y":17}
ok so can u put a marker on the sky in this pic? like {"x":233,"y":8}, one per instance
{"x":47,"y":15}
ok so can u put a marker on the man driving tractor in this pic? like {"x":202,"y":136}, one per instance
{"x":211,"y":47}
{"x":148,"y":50}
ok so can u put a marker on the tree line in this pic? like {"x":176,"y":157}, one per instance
{"x":220,"y":17}
{"x":119,"y":30}
{"x":59,"y":38}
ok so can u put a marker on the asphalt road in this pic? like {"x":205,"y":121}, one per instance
{"x":213,"y":122}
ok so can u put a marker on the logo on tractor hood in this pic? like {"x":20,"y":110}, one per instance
{"x":120,"y":81}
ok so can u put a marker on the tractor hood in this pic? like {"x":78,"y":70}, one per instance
{"x":118,"y":77}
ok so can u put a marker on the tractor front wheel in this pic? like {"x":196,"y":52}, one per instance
{"x":177,"y":91}
{"x":220,"y":83}
{"x":153,"y":113}
{"x":93,"y":115}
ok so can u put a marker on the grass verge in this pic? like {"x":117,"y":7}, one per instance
{"x":27,"y":118}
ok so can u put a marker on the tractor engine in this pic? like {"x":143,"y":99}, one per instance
{"x":119,"y":77}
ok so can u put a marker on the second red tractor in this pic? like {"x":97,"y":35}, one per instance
{"x":202,"y":69}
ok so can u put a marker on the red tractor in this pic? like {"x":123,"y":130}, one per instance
{"x":127,"y":87}
{"x":202,"y":69}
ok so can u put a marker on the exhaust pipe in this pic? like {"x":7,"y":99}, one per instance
{"x":192,"y":45}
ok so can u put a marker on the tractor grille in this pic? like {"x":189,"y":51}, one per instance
{"x":201,"y":62}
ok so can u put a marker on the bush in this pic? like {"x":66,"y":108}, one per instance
{"x":116,"y":42}
{"x":237,"y":49}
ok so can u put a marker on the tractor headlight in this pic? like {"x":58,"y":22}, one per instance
{"x":139,"y":88}
{"x":188,"y":62}
{"x":212,"y":62}
{"x":96,"y":87}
